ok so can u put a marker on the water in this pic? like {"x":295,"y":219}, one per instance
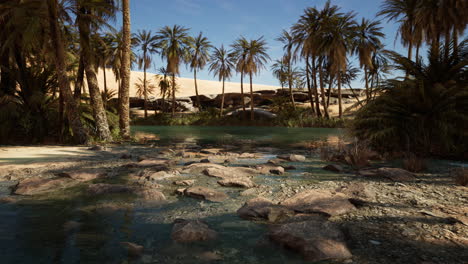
{"x":32,"y":231}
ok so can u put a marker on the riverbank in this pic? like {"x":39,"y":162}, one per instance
{"x":120,"y":194}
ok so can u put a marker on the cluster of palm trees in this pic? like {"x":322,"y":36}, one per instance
{"x":45,"y":45}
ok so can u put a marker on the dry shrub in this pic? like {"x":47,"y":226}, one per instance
{"x":460,"y":175}
{"x":414,"y":163}
{"x":358,"y":155}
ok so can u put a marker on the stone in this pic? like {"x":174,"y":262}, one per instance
{"x":276,"y":161}
{"x":210,"y":256}
{"x":237,"y":182}
{"x":126,"y":156}
{"x":102,"y":188}
{"x":249,"y":192}
{"x":223,"y":172}
{"x":319,"y":201}
{"x":184,"y":182}
{"x":356,"y":190}
{"x":180,"y":191}
{"x":36,"y":185}
{"x":247,"y":156}
{"x":134,"y":250}
{"x":333,"y":168}
{"x":160,"y":175}
{"x":151,"y":195}
{"x":292,"y":157}
{"x":97,"y":148}
{"x":205,"y":161}
{"x":270,"y":168}
{"x":188,"y":231}
{"x":154,"y":163}
{"x":83,"y":175}
{"x":260,"y":209}
{"x":315,"y":239}
{"x":206,"y":194}
{"x":211,"y":151}
{"x":396,"y":174}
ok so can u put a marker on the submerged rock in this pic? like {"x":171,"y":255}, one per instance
{"x":206,"y":193}
{"x":188,"y":231}
{"x":237,"y":182}
{"x":292,"y":157}
{"x":184,"y":182}
{"x":315,"y":239}
{"x":83,"y":175}
{"x":151,"y":195}
{"x":260,"y":209}
{"x":134,"y":250}
{"x":319,"y":201}
{"x":102,"y":188}
{"x":334,"y":168}
{"x":38,"y":185}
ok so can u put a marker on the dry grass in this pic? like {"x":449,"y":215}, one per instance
{"x":356,"y":155}
{"x":414,"y":163}
{"x":460,"y":176}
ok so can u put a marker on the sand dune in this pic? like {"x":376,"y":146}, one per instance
{"x":187,"y":86}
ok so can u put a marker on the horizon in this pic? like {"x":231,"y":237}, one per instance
{"x":223,"y":21}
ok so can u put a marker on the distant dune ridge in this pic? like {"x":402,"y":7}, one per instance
{"x":187,"y":85}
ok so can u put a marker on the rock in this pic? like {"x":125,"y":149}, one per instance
{"x":83,"y":175}
{"x":237,"y":182}
{"x":205,"y":161}
{"x":97,"y":148}
{"x":247,"y":156}
{"x":160,"y":175}
{"x":102,"y":188}
{"x":396,"y":174}
{"x":210,"y":256}
{"x":368,"y":173}
{"x":36,"y":185}
{"x":180,"y":191}
{"x":134,"y":250}
{"x":319,"y":201}
{"x":184,"y":183}
{"x":249,"y":192}
{"x":212,"y":151}
{"x":356,"y":190}
{"x":7,"y":199}
{"x":188,"y":231}
{"x":126,"y":156}
{"x":276,"y":161}
{"x":263,"y":209}
{"x":155,"y":163}
{"x":289,"y":167}
{"x":206,"y":193}
{"x":315,"y":239}
{"x":223,"y":172}
{"x":151,"y":195}
{"x":270,"y":168}
{"x":334,"y":168}
{"x":292,"y":157}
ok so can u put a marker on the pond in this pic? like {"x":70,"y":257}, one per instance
{"x":71,"y":227}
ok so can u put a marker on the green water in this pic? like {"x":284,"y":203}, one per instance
{"x":32,"y":231}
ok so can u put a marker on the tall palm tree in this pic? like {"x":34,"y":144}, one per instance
{"x":240,"y":49}
{"x":164,"y":85}
{"x":86,"y":14}
{"x":79,"y":133}
{"x":255,"y":60}
{"x":199,"y":57}
{"x":174,"y":42}
{"x":147,"y":44}
{"x":124,"y":101}
{"x":222,"y":67}
{"x":279,"y":71}
{"x":368,"y":35}
{"x":144,"y":87}
{"x":287,"y":40}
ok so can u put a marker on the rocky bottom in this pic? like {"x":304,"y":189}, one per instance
{"x":226,"y":204}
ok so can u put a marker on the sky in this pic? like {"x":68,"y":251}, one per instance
{"x":223,"y":21}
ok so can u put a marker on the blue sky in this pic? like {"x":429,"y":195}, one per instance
{"x":222,"y":21}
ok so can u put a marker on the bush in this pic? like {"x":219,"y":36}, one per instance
{"x":414,"y":163}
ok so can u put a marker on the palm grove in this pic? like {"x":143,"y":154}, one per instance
{"x":50,"y":47}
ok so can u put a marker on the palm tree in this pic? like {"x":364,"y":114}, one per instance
{"x":144,"y":88}
{"x":79,"y":133}
{"x":146,"y":41}
{"x":164,"y":85}
{"x":199,"y":57}
{"x":255,"y":61}
{"x":174,"y":43}
{"x":239,"y":54}
{"x":279,"y":72}
{"x":288,"y":43}
{"x":87,"y":12}
{"x":222,"y":67}
{"x":368,"y":35}
{"x":124,"y":107}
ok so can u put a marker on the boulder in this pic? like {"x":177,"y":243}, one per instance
{"x":206,"y":194}
{"x":315,"y":239}
{"x":102,"y":188}
{"x":83,"y":175}
{"x":356,"y":190}
{"x":188,"y":231}
{"x":230,"y":172}
{"x":292,"y":157}
{"x":333,"y":168}
{"x":151,"y":195}
{"x":396,"y":174}
{"x":319,"y":201}
{"x":161,"y":175}
{"x":261,"y":209}
{"x":237,"y":182}
{"x":270,"y":168}
{"x":184,"y":183}
{"x":36,"y":185}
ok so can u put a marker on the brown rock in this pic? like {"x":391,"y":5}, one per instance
{"x":134,"y":250}
{"x":263,"y":209}
{"x":237,"y":182}
{"x":292,"y":157}
{"x":396,"y":174}
{"x":356,"y":190}
{"x":184,"y":182}
{"x":319,"y":201}
{"x":315,"y":239}
{"x":334,"y":168}
{"x":38,"y":185}
{"x":188,"y":231}
{"x":206,"y":193}
{"x":151,"y":195}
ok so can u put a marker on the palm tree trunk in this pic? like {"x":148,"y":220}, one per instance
{"x":106,"y":92}
{"x":242,"y":91}
{"x":196,"y":88}
{"x":79,"y":80}
{"x":79,"y":133}
{"x":251,"y":99}
{"x":329,"y":91}
{"x":145,"y":92}
{"x":124,"y":107}
{"x":222,"y":99}
{"x":309,"y":88}
{"x":173,"y":94}
{"x":340,"y":104}
{"x":322,"y":91}
{"x":290,"y":85}
{"x":316,"y":96}
{"x":99,"y":113}
{"x":366,"y":76}
{"x":417,"y":52}
{"x":61,"y":116}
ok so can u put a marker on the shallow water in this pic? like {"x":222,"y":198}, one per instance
{"x":32,"y":231}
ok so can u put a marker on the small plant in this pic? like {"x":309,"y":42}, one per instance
{"x":460,"y":175}
{"x":358,"y":154}
{"x":414,"y":163}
